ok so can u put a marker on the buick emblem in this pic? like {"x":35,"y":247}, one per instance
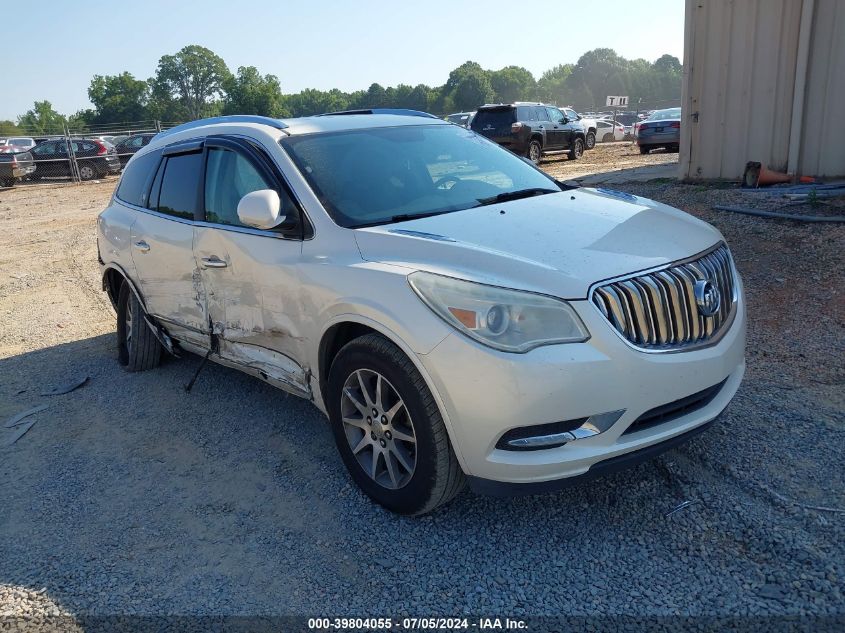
{"x":707,"y":297}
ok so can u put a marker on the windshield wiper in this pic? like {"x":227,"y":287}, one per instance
{"x":517,"y":195}
{"x":402,"y":217}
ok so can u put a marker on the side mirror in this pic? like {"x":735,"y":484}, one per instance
{"x":260,"y":209}
{"x":564,"y":120}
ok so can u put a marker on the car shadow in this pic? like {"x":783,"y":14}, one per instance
{"x":234,"y":494}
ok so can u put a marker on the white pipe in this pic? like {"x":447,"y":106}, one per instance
{"x":801,"y":63}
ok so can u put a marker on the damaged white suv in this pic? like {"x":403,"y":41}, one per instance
{"x":459,"y":315}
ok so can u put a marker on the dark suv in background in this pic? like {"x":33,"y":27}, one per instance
{"x":530,"y":129}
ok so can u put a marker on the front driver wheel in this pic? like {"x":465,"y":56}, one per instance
{"x":591,"y":140}
{"x":535,"y":151}
{"x":138,"y":348}
{"x":388,"y":429}
{"x":577,"y":150}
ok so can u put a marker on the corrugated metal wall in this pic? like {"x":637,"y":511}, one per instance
{"x":741,"y":59}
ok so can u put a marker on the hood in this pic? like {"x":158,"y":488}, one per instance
{"x":557,"y":244}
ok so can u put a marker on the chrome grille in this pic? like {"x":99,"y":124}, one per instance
{"x":658,"y":310}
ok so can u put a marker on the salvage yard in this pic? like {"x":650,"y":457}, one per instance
{"x":131,"y":496}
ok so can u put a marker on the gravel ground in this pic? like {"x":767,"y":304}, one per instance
{"x":129,"y":496}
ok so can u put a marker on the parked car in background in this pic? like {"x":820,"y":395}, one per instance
{"x":459,"y":315}
{"x":531,"y":129}
{"x":24,"y":142}
{"x":463,"y":119}
{"x":661,"y":129}
{"x":608,"y":131}
{"x":15,"y":164}
{"x":127,"y":147}
{"x":589,"y":123}
{"x":94,"y":158}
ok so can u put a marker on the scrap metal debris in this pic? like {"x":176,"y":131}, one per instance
{"x":22,"y":429}
{"x":16,"y":419}
{"x":679,"y":507}
{"x":57,"y":391}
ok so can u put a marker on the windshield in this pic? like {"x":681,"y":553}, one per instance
{"x":381,"y":175}
{"x":662,"y":115}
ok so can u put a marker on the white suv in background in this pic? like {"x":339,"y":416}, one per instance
{"x":458,"y":314}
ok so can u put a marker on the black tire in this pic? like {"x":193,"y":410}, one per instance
{"x":7,"y":182}
{"x":535,"y":151}
{"x":591,"y":140}
{"x":140,"y":350}
{"x":607,"y":138}
{"x":577,"y":149}
{"x":437,"y":476}
{"x":87,"y":170}
{"x":644,"y":149}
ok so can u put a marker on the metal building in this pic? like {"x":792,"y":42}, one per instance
{"x":764,"y":80}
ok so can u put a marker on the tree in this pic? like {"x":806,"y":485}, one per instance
{"x":8,"y":128}
{"x":42,"y":119}
{"x":250,"y":93}
{"x":668,"y":64}
{"x":467,"y":88}
{"x":194,"y":76}
{"x":513,"y":83}
{"x":551,"y":86}
{"x":119,"y":98}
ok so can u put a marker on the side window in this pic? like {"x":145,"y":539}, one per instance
{"x":554,"y":115}
{"x":44,"y":149}
{"x":532,"y":114}
{"x":229,"y":177}
{"x":571,"y":114}
{"x":133,"y":184}
{"x":522,"y":113}
{"x":541,"y":113}
{"x":138,"y":141}
{"x":180,"y":185}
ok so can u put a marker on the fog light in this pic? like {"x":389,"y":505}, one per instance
{"x":555,"y":434}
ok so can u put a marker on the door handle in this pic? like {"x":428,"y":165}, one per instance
{"x":142,"y":246}
{"x":213,"y":262}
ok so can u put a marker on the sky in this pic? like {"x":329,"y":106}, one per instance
{"x":346,"y":45}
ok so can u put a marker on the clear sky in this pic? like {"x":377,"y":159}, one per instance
{"x":346,"y":45}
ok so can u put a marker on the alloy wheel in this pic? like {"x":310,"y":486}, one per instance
{"x":378,"y":428}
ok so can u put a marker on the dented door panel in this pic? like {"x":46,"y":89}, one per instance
{"x":168,"y":275}
{"x":253,"y":301}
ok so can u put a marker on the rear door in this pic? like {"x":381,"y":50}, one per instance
{"x":557,"y":131}
{"x":251,"y":276}
{"x":162,"y":239}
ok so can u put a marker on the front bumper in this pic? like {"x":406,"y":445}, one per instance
{"x":484,"y":393}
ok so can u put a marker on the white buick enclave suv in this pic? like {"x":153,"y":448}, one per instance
{"x":457,"y":314}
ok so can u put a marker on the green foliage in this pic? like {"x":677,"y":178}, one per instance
{"x":42,"y":119}
{"x":119,"y":98}
{"x":195,"y":82}
{"x":8,"y":128}
{"x":250,"y":93}
{"x":513,"y":83}
{"x":194,"y":77}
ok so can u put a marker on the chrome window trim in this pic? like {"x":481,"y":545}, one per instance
{"x":710,"y":342}
{"x":211,"y":225}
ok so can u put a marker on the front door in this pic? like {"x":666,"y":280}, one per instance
{"x":557,"y":130}
{"x":250,"y":276}
{"x":162,"y":249}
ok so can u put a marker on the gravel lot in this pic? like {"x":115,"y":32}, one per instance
{"x":129,"y":496}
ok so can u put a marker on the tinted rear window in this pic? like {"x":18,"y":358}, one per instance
{"x":494,"y":120}
{"x":133,"y":184}
{"x":180,"y":185}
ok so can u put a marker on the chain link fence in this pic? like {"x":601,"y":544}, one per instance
{"x":68,"y":155}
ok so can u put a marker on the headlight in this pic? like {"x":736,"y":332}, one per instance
{"x":509,"y":320}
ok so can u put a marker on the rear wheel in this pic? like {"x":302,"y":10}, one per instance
{"x":591,"y":140}
{"x":644,"y":149}
{"x":535,"y":151}
{"x":7,"y":182}
{"x":138,"y":348}
{"x":607,"y":138}
{"x":577,"y":149}
{"x":87,"y":171}
{"x":388,"y":429}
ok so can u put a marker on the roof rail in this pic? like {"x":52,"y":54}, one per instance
{"x":399,"y":111}
{"x":232,"y":118}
